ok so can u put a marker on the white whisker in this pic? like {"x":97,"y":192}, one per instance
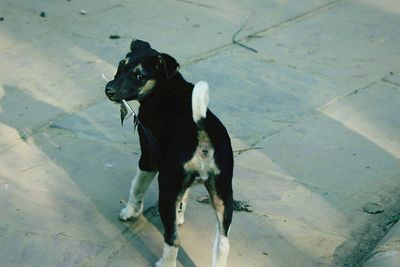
{"x":104,"y":77}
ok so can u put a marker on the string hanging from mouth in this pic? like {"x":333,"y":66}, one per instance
{"x":126,"y":110}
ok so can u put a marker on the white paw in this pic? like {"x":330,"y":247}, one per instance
{"x":129,"y":212}
{"x":158,"y":263}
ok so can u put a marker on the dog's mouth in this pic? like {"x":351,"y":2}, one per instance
{"x":118,"y":97}
{"x":125,"y":109}
{"x":111,"y":91}
{"x":115,"y":101}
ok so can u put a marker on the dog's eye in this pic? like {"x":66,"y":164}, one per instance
{"x":140,"y":77}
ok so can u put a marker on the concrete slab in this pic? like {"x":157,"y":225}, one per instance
{"x":66,"y":10}
{"x":254,"y":238}
{"x":267,"y":99}
{"x":360,"y":172}
{"x":320,"y":144}
{"x":39,"y":203}
{"x":351,"y":46}
{"x":69,"y":80}
{"x":201,"y":27}
{"x":27,"y":248}
{"x":101,"y":123}
{"x":387,"y":253}
{"x":21,"y":113}
{"x":394,"y":79}
{"x":313,"y":117}
{"x":362,"y":112}
{"x":22,"y":21}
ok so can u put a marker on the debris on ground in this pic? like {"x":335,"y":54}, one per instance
{"x":43,"y":14}
{"x":373,"y":208}
{"x":1,"y":18}
{"x":238,"y":205}
{"x":204,"y":199}
{"x":115,"y":36}
{"x":83,"y":12}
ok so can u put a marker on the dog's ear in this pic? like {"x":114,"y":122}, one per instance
{"x":137,"y":45}
{"x":167,"y":65}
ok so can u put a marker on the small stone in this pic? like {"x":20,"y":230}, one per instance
{"x":83,"y":12}
{"x":204,"y":199}
{"x":1,"y":18}
{"x":373,"y":208}
{"x":114,"y":36}
{"x":42,"y":14}
{"x":239,"y":205}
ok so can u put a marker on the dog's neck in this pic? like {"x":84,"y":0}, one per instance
{"x":171,"y":88}
{"x":160,"y":108}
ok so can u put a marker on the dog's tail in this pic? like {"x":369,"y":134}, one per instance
{"x":200,"y":99}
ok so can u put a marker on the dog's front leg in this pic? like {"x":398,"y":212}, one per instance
{"x":167,"y":207}
{"x":169,"y":257}
{"x":139,"y":186}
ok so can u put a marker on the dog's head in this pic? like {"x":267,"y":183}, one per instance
{"x":140,"y":73}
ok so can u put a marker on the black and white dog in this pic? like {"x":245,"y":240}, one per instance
{"x":181,"y":139}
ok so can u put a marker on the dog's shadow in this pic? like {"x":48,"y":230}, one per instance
{"x":139,"y":237}
{"x":22,"y":112}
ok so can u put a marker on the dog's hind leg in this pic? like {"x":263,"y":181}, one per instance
{"x":181,"y":207}
{"x":222,"y":201}
{"x":139,"y":185}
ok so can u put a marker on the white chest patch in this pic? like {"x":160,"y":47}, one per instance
{"x":202,"y":161}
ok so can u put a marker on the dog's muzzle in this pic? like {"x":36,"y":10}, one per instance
{"x":110,"y":91}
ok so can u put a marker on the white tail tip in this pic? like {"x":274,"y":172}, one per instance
{"x":200,"y":99}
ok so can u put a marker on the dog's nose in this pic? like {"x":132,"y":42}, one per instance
{"x":110,"y":92}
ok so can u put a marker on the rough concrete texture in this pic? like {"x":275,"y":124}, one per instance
{"x":387,"y":253}
{"x":313,"y":116}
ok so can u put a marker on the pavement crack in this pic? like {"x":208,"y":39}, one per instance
{"x":27,"y":233}
{"x":257,"y":34}
{"x":386,"y":80}
{"x":240,"y":151}
{"x":196,"y":4}
{"x":111,"y":249}
{"x":319,"y":109}
{"x":340,"y":98}
{"x":363,"y":243}
{"x":236,"y":42}
{"x":212,"y":52}
{"x":293,"y":20}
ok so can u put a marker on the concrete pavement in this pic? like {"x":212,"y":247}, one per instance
{"x":313,"y":117}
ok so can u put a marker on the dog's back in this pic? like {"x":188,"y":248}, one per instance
{"x":180,"y":121}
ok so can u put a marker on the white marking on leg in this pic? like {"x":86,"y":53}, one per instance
{"x":181,"y":207}
{"x":169,"y":257}
{"x":220,"y":249}
{"x":139,"y":186}
{"x":221,"y":242}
